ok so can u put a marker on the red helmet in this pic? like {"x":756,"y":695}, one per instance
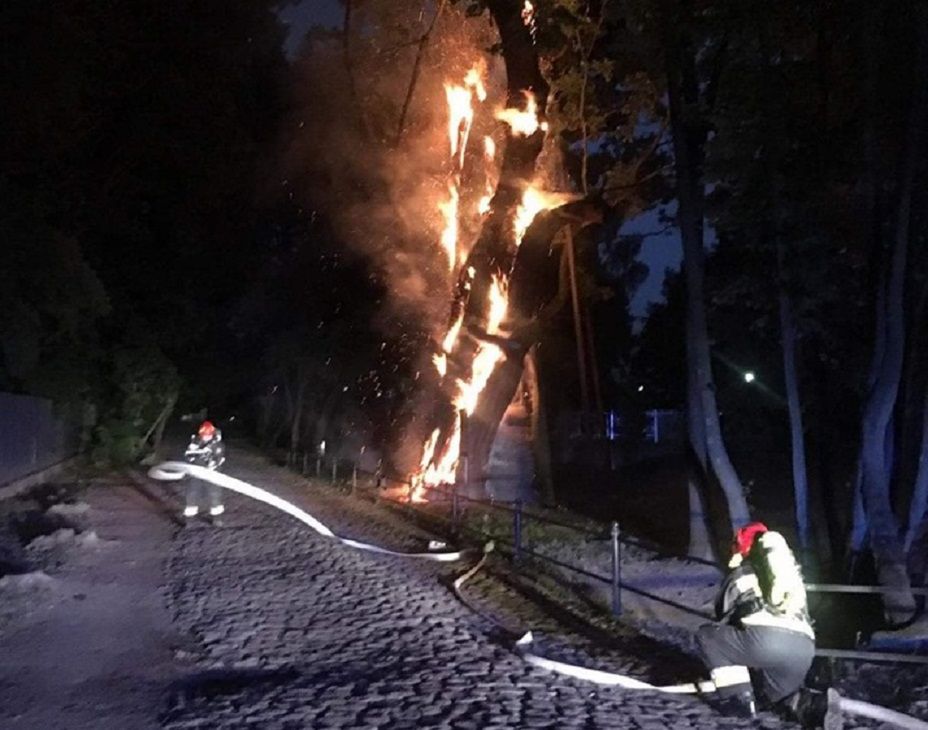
{"x":744,"y":537}
{"x":207,"y":430}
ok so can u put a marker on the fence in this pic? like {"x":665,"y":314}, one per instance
{"x":650,"y":427}
{"x":514,"y":546}
{"x":32,"y":437}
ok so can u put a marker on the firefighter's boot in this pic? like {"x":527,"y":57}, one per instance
{"x":815,"y":709}
{"x":215,"y":515}
{"x":734,"y":694}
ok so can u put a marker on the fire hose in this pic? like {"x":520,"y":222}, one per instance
{"x":176,"y":470}
{"x":523,"y":647}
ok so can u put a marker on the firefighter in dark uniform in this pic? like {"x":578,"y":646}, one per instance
{"x":205,"y":449}
{"x":764,"y":632}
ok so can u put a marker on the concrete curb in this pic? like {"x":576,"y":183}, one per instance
{"x":18,"y":486}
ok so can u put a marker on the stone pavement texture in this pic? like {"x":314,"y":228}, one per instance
{"x":288,"y":629}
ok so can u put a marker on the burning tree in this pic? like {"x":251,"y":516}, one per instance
{"x":451,"y":160}
{"x":480,"y":359}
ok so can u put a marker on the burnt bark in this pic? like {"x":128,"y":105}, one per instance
{"x":493,"y":254}
{"x":530,"y":316}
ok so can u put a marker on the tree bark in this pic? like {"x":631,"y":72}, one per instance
{"x":796,"y":430}
{"x":918,"y":507}
{"x":541,"y":438}
{"x":688,"y":134}
{"x":493,"y":254}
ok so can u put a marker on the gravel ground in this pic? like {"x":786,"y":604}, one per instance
{"x":130,"y":621}
{"x":294,"y":630}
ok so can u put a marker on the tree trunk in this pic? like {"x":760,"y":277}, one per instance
{"x":296,"y":414}
{"x":689,"y":137}
{"x":796,"y":431}
{"x":159,"y":431}
{"x":541,"y":438}
{"x":918,"y":507}
{"x":898,"y":606}
{"x":493,"y":254}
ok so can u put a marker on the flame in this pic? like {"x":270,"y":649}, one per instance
{"x":487,"y":355}
{"x":489,"y":155}
{"x":460,"y":118}
{"x":448,"y":343}
{"x":449,"y":235}
{"x":439,"y":463}
{"x":474,"y":80}
{"x":523,"y":122}
{"x":416,"y":492}
{"x":528,"y":14}
{"x":533,"y":202}
{"x":443,"y":472}
{"x":499,"y":304}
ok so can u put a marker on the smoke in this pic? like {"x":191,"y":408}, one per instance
{"x":380,"y":185}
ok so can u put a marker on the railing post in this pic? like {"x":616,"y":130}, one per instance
{"x":318,"y":467}
{"x":305,"y":463}
{"x":461,"y":479}
{"x":517,"y":531}
{"x":334,"y":469}
{"x":616,"y":571}
{"x":354,"y":477}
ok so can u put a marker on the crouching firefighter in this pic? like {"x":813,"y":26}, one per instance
{"x":764,"y":632}
{"x":205,"y":449}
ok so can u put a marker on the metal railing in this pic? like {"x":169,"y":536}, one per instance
{"x":518,"y":551}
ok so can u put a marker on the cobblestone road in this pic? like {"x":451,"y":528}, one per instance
{"x":291,"y":630}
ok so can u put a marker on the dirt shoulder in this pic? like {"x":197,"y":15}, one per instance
{"x":86,"y":638}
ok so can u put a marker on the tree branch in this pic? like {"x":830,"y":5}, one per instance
{"x":349,"y":68}
{"x":416,"y":67}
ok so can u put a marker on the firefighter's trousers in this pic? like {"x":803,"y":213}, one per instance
{"x":779,"y":658}
{"x":202,"y":496}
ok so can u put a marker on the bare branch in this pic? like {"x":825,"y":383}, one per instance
{"x":349,"y":68}
{"x":416,"y":67}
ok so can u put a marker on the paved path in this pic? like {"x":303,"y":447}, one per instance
{"x":290,"y":630}
{"x":88,"y":643}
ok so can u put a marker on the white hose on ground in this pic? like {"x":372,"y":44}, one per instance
{"x":598,"y":676}
{"x":881,"y":714}
{"x":523,"y":648}
{"x":176,"y":470}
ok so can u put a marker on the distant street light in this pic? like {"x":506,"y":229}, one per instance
{"x":749,"y":377}
{"x":641,"y":389}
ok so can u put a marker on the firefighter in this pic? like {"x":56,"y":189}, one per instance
{"x":763,"y":625}
{"x":205,"y":449}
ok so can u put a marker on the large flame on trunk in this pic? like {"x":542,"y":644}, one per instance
{"x":449,"y":235}
{"x":524,"y":122}
{"x":440,"y":456}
